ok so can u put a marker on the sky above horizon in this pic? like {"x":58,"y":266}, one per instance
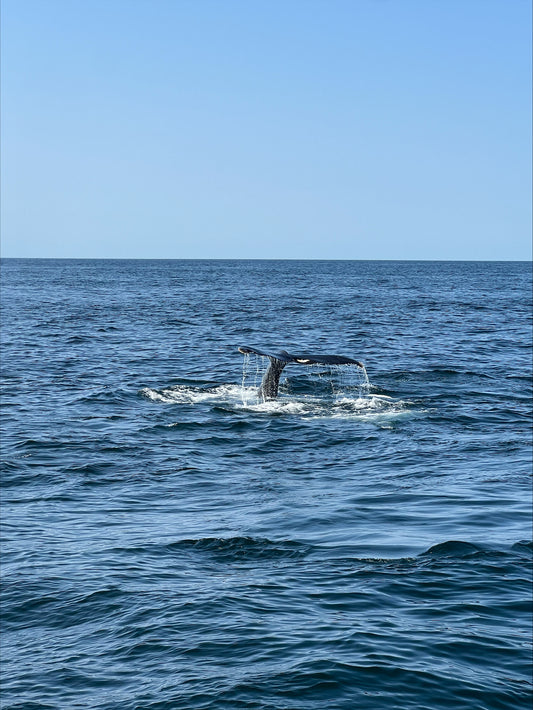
{"x":311,"y":129}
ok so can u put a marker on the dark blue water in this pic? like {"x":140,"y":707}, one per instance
{"x":171,"y":541}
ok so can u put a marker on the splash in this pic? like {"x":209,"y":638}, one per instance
{"x":252,"y":374}
{"x":361,"y":405}
{"x":186,"y":394}
{"x":313,"y":392}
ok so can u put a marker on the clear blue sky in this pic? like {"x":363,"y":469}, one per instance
{"x":342,"y":129}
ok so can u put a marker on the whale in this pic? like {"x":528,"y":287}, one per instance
{"x":281,"y":358}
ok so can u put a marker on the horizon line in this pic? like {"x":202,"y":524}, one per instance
{"x":163,"y":258}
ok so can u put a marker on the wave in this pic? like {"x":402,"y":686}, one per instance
{"x":225,"y":549}
{"x":242,"y":547}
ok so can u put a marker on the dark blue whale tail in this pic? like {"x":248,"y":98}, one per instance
{"x":281,"y":358}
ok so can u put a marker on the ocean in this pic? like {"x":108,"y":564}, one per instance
{"x":172,"y":541}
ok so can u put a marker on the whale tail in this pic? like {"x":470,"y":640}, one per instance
{"x":281,"y":358}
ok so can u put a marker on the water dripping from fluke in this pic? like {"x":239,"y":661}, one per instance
{"x":261,"y":376}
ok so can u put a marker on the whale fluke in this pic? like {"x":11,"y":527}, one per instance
{"x":281,"y":358}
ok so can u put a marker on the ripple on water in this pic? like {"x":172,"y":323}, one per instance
{"x":169,"y":540}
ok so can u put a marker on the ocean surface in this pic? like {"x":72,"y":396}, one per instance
{"x":171,"y":541}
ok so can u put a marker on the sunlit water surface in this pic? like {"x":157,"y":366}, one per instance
{"x":170,"y":540}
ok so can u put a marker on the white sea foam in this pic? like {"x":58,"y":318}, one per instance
{"x":276,"y":406}
{"x":184,"y":394}
{"x":379,"y":408}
